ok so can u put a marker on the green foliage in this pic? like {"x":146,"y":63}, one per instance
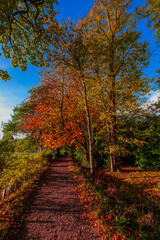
{"x":151,"y":11}
{"x":7,"y":147}
{"x":63,"y":151}
{"x":13,"y":126}
{"x":23,"y":35}
{"x":19,"y":167}
{"x":4,"y":75}
{"x":148,"y":156}
{"x":101,"y":152}
{"x":27,"y":144}
{"x":101,"y":159}
{"x":19,"y":177}
{"x":78,"y":155}
{"x":48,"y":154}
{"x":119,"y":62}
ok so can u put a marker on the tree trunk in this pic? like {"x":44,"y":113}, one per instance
{"x":58,"y":152}
{"x":112,"y":148}
{"x":89,"y":128}
{"x":112,"y":114}
{"x":112,"y":128}
{"x":71,"y":153}
{"x":40,"y":148}
{"x":86,"y":153}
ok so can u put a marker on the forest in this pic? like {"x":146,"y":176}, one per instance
{"x":92,"y":106}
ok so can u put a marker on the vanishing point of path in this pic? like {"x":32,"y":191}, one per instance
{"x":54,"y":212}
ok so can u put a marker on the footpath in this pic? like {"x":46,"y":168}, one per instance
{"x":54,"y":212}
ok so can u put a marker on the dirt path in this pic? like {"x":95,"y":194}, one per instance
{"x":55,"y":211}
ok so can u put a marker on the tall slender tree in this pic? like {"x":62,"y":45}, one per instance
{"x":119,"y":59}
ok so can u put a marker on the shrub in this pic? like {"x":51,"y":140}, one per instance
{"x":46,"y":154}
{"x":79,"y":155}
{"x":146,"y":158}
{"x":19,"y":177}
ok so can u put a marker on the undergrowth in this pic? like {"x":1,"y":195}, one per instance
{"x":18,"y":179}
{"x":119,"y":209}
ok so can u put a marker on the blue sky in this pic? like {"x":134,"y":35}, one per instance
{"x":15,"y":91}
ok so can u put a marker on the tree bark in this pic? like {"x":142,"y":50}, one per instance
{"x":71,"y":153}
{"x":112,"y":127}
{"x":85,"y":152}
{"x":58,"y":152}
{"x":112,"y":112}
{"x":89,"y":128}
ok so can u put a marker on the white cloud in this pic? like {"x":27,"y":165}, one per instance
{"x":11,"y":95}
{"x":6,"y":106}
{"x":154,"y":96}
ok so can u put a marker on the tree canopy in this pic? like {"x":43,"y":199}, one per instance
{"x":151,"y":11}
{"x":23,"y":34}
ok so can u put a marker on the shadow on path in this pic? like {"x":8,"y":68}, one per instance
{"x":54,"y":212}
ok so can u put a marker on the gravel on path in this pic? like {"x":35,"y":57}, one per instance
{"x":55,"y":212}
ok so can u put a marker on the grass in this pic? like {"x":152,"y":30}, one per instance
{"x":18,"y":179}
{"x":122,"y":205}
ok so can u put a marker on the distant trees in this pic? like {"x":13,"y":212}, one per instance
{"x":148,"y":156}
{"x":16,"y":129}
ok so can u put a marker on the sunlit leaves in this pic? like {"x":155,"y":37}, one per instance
{"x":4,"y":75}
{"x":118,"y":59}
{"x":21,"y":175}
{"x":23,"y":33}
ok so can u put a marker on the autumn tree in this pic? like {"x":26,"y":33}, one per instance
{"x":67,"y":85}
{"x":154,"y":10}
{"x":70,"y":50}
{"x":119,"y":61}
{"x":23,"y":34}
{"x":151,"y":11}
{"x":54,"y":117}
